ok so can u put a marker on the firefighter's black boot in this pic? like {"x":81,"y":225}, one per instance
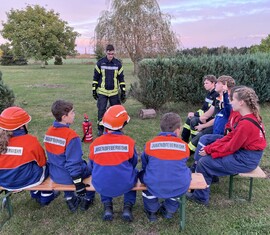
{"x":108,"y":211}
{"x":127,"y":212}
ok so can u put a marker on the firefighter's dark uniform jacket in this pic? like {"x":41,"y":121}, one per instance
{"x":108,"y":76}
{"x":208,"y":101}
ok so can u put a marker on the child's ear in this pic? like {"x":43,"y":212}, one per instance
{"x":177,"y":131}
{"x":63,"y":117}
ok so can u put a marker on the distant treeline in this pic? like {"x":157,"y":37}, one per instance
{"x":198,"y":51}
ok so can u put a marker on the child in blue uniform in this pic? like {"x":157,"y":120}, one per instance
{"x":64,"y":150}
{"x":22,"y":158}
{"x":164,"y":169}
{"x":114,"y":159}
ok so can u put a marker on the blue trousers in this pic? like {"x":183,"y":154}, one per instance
{"x":86,"y":172}
{"x":152,"y":204}
{"x":43,"y":197}
{"x":203,"y":141}
{"x":241,"y":161}
{"x":128,"y":197}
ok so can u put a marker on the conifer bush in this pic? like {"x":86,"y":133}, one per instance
{"x":7,"y":97}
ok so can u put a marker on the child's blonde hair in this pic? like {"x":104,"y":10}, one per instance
{"x":4,"y":139}
{"x":249,"y":96}
{"x":226,"y":79}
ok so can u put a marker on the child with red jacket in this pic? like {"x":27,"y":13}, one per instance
{"x":240,"y":151}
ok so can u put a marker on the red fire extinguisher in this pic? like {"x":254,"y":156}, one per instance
{"x":87,"y":129}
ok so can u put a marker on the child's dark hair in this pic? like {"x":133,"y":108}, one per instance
{"x":170,"y":122}
{"x":109,"y":47}
{"x":61,"y":108}
{"x":210,"y":78}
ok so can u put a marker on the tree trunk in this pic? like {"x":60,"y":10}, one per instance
{"x":136,"y":67}
{"x":147,"y":113}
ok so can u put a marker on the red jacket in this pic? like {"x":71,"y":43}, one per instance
{"x":22,"y":150}
{"x":245,"y":136}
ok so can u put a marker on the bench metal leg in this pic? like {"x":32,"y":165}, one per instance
{"x":182,"y":212}
{"x":231,"y":186}
{"x":6,"y":204}
{"x":250,"y":189}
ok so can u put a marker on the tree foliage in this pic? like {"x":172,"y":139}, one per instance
{"x":264,"y":46}
{"x":37,"y":33}
{"x":137,"y":28}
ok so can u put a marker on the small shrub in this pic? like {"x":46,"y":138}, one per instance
{"x":7,"y":97}
{"x":58,"y":60}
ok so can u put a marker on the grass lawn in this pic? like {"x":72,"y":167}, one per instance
{"x":36,"y":89}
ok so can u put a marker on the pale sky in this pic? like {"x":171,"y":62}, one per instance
{"x":197,"y":23}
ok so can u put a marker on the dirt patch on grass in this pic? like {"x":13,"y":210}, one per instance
{"x":47,"y":85}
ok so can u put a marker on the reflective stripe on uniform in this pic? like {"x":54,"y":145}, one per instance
{"x":186,"y":126}
{"x":200,"y":112}
{"x":191,"y":146}
{"x":148,"y":197}
{"x":194,"y":132}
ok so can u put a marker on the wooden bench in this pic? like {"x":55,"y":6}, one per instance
{"x":197,"y":182}
{"x":257,"y":173}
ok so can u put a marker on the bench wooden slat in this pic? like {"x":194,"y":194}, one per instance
{"x":257,"y":173}
{"x":197,"y":182}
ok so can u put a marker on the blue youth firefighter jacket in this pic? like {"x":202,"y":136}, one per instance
{"x":108,"y":75}
{"x":164,"y":162}
{"x":114,"y":159}
{"x":64,"y":151}
{"x":24,"y":163}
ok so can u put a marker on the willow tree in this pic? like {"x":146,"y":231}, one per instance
{"x":137,"y":28}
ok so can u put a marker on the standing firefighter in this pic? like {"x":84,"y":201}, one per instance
{"x":108,"y":77}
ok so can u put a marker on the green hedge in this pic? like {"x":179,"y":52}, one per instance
{"x":180,"y":79}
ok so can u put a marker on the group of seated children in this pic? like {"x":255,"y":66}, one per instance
{"x":113,"y":158}
{"x":237,"y":139}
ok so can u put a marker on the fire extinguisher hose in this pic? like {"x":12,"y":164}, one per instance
{"x":85,"y":133}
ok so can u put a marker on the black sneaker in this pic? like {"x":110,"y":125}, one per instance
{"x":191,"y":197}
{"x":166,"y":214}
{"x":46,"y":200}
{"x":152,"y":216}
{"x":86,"y":203}
{"x":73,"y":203}
{"x":193,"y":168}
{"x":127,"y":212}
{"x":108,"y":211}
{"x":215,"y":179}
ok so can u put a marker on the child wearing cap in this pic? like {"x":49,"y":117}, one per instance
{"x":22,"y":158}
{"x":114,"y":159}
{"x":64,"y":151}
{"x":164,"y":169}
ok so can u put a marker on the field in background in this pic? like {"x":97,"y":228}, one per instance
{"x":36,"y":89}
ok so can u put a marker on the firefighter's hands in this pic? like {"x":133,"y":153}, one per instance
{"x":94,"y":89}
{"x":123,"y":97}
{"x":199,"y":127}
{"x":95,"y":95}
{"x":202,"y":152}
{"x":80,"y":186}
